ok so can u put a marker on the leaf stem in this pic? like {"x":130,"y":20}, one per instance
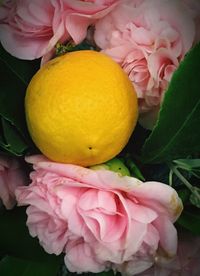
{"x":181,"y":177}
{"x":171,"y":178}
{"x":185,"y":181}
{"x":133,"y":168}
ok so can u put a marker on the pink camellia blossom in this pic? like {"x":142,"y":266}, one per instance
{"x":11,"y":177}
{"x":83,"y":13}
{"x":99,"y":219}
{"x":148,"y":39}
{"x":31,"y":29}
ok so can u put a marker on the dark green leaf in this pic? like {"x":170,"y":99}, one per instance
{"x":14,"y":76}
{"x":14,"y":142}
{"x":184,"y":194}
{"x":22,"y":69}
{"x":12,"y":92}
{"x":190,"y":221}
{"x":177,"y":133}
{"x":15,"y":239}
{"x":195,"y":197}
{"x":10,"y":266}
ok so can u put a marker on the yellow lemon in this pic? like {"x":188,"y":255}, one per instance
{"x":81,"y":108}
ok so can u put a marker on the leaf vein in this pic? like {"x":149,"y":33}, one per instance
{"x":18,"y":75}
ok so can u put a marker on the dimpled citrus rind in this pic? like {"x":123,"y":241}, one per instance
{"x":81,"y":108}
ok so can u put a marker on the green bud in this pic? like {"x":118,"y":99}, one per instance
{"x":115,"y":165}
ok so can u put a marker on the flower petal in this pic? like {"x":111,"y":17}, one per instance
{"x":80,"y":258}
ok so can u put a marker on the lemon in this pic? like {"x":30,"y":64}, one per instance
{"x":81,"y":108}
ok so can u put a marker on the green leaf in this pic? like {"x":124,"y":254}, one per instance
{"x":188,"y":164}
{"x":15,"y":239}
{"x":14,"y":142}
{"x":10,"y":266}
{"x":15,"y":76}
{"x":195,"y":197}
{"x":22,"y":69}
{"x":184,"y":194}
{"x":177,"y":132}
{"x":190,"y":221}
{"x":12,"y":94}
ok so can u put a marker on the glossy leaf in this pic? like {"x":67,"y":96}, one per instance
{"x":22,"y":69}
{"x":177,"y":132}
{"x":15,"y":75}
{"x":14,"y":142}
{"x":184,"y":194}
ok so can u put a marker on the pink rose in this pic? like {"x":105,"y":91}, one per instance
{"x":11,"y":176}
{"x":99,"y":219}
{"x":148,"y":39}
{"x":83,"y":13}
{"x":31,"y":29}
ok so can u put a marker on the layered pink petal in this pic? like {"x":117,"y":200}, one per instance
{"x":148,"y":39}
{"x":12,"y":176}
{"x":161,"y":198}
{"x":31,"y":29}
{"x":25,"y":48}
{"x":98,"y":218}
{"x":166,"y":229}
{"x":52,"y":232}
{"x":80,"y":258}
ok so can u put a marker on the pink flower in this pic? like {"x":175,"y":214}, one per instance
{"x":148,"y":39}
{"x":31,"y":29}
{"x":11,"y":176}
{"x":83,"y":13}
{"x":99,"y":219}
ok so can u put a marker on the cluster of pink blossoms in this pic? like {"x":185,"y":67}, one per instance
{"x":31,"y":29}
{"x":148,"y":38}
{"x":99,"y":219}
